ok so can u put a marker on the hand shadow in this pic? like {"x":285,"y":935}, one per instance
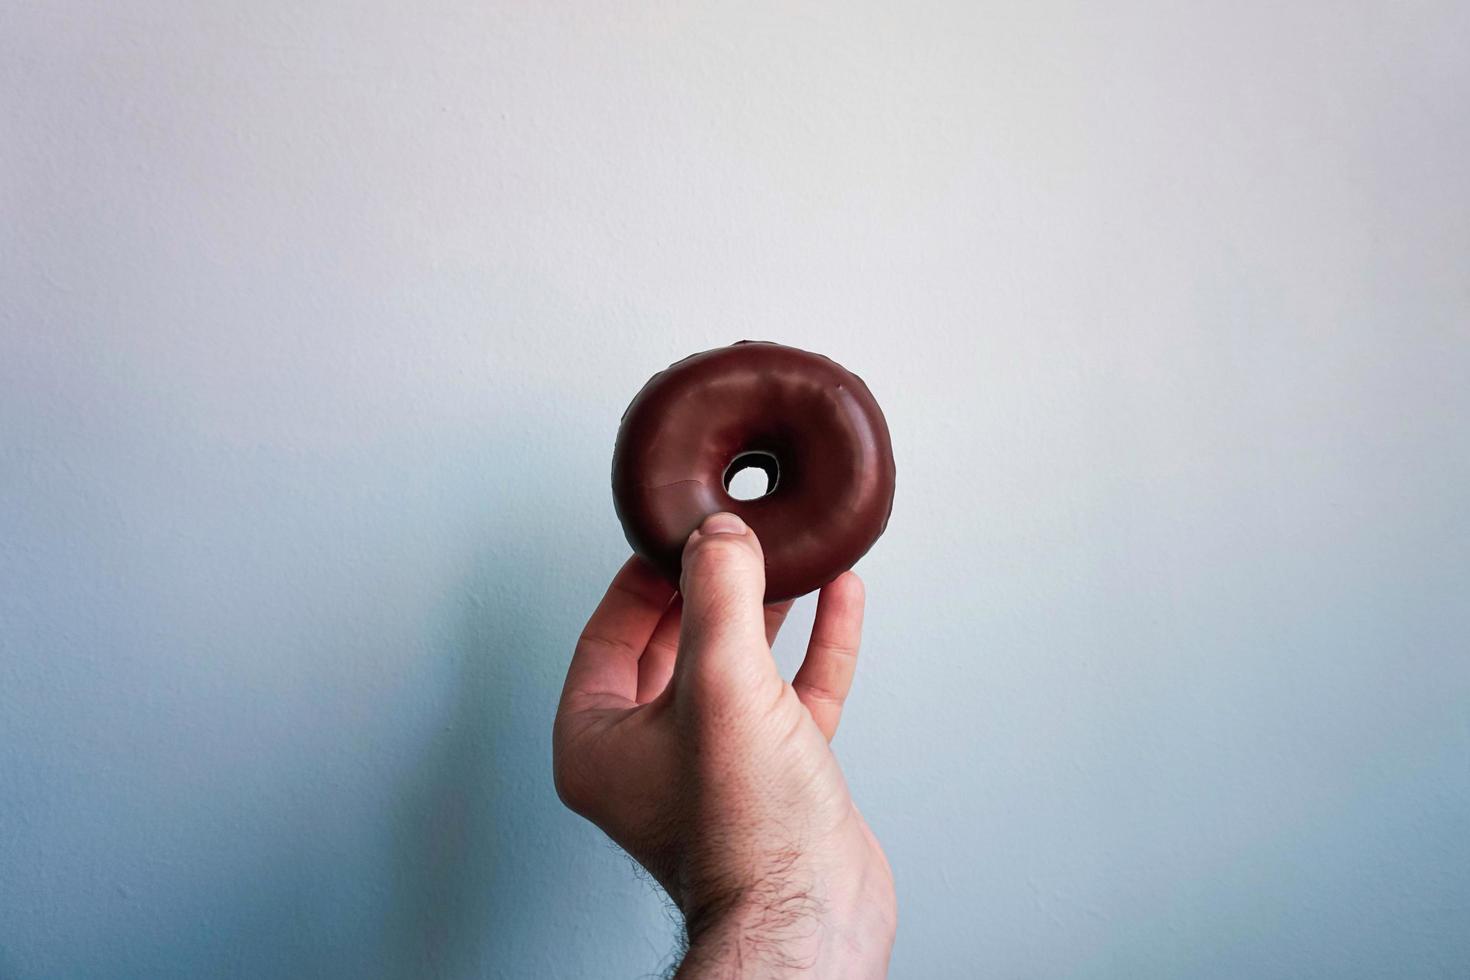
{"x":492,"y":876}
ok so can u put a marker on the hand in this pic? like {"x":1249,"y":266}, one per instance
{"x":677,"y":736}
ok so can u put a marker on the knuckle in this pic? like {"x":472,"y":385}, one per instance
{"x":820,"y":694}
{"x":725,"y":682}
{"x":720,"y":549}
{"x":718,"y":559}
{"x":841,"y":652}
{"x":611,"y":645}
{"x":661,"y":648}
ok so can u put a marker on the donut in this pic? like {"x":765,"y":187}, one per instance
{"x":810,"y":424}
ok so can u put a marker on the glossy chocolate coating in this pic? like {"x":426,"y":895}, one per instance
{"x":818,"y":434}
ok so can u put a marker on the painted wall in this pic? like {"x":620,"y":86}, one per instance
{"x":317,"y":323}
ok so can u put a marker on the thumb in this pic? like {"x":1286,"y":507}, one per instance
{"x":723,"y":631}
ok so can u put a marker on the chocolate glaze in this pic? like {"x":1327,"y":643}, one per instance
{"x":814,"y":428}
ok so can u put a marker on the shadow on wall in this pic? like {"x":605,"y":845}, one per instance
{"x":479,"y":806}
{"x":490,"y":871}
{"x":482,"y":872}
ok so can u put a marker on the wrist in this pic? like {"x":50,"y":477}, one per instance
{"x":795,"y":925}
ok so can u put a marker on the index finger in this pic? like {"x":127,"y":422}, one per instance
{"x":604,"y":667}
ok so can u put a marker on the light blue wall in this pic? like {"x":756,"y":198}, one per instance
{"x":317,"y":323}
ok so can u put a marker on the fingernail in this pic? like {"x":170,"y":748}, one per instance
{"x":722,"y":523}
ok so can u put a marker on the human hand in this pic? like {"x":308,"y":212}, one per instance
{"x":677,"y":736}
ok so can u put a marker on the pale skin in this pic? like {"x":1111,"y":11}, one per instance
{"x":678,"y":737}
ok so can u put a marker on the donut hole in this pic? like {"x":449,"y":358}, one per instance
{"x":752,"y":475}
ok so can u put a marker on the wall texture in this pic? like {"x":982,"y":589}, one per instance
{"x":317,"y":323}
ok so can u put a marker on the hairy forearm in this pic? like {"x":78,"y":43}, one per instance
{"x":783,"y":931}
{"x":747,"y":951}
{"x":772,"y":935}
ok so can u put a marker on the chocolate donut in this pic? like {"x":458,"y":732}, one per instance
{"x":808,"y":422}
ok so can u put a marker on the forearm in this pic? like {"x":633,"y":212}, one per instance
{"x":791,"y":933}
{"x":742,"y":951}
